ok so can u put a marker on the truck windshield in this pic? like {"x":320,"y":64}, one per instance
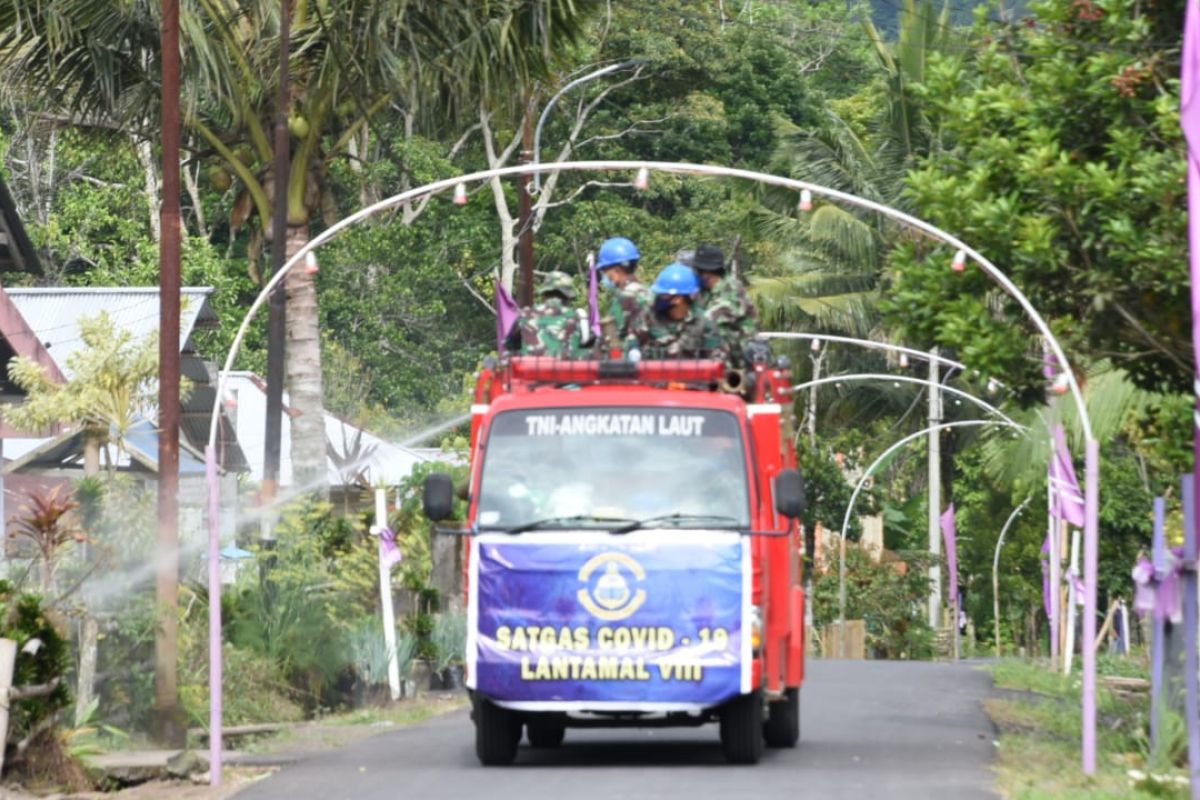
{"x":591,"y":467}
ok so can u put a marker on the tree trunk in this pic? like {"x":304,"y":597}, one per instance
{"x":150,"y":180}
{"x":304,"y":383}
{"x":91,"y":455}
{"x":89,"y":638}
{"x":89,"y":635}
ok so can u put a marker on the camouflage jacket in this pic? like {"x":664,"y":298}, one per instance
{"x":694,"y":336}
{"x":627,"y":306}
{"x":729,"y":308}
{"x":552,"y":329}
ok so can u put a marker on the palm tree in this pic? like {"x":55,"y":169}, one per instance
{"x":829,"y":271}
{"x":99,"y":60}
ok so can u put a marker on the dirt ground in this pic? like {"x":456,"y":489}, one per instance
{"x":327,"y":733}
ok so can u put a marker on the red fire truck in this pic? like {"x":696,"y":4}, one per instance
{"x":633,"y":551}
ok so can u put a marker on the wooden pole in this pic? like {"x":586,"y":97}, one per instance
{"x":277,"y":321}
{"x":170,"y":727}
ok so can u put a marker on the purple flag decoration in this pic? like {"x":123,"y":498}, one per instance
{"x":1067,"y":500}
{"x":507,"y":312}
{"x":1156,"y":594}
{"x":593,"y":296}
{"x":1189,"y":120}
{"x":1050,"y":365}
{"x":389,"y":550}
{"x":948,"y":534}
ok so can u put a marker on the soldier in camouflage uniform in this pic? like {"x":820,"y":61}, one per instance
{"x":630,"y":300}
{"x":673,"y":328}
{"x":551,"y":328}
{"x":724,"y":301}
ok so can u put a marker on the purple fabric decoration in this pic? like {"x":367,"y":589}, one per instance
{"x":1046,"y":577}
{"x":389,"y":550}
{"x":507,"y":312}
{"x":593,"y":296}
{"x":1159,"y":593}
{"x":948,"y":534}
{"x":1050,"y":366}
{"x":1077,"y":585}
{"x":1067,"y":501}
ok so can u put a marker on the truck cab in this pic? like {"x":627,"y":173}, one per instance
{"x":632,"y":551}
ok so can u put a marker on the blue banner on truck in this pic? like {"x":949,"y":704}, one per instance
{"x":653,"y":620}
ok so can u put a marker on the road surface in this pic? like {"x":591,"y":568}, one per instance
{"x":868,"y":729}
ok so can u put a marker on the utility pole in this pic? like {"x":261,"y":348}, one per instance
{"x":525,"y":209}
{"x":277,"y":323}
{"x":170,"y":726}
{"x":935,"y":496}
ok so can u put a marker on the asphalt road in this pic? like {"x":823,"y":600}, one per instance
{"x":868,"y":729}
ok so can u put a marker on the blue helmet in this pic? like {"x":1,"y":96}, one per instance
{"x":675,"y":279}
{"x":615,"y":251}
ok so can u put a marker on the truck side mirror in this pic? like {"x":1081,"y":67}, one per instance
{"x":789,"y":493}
{"x":438,"y":498}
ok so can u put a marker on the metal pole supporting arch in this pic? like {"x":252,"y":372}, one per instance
{"x":996,"y":571}
{"x":711,"y":171}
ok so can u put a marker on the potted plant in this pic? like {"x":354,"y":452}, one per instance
{"x":450,"y":638}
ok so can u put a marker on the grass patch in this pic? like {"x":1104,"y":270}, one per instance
{"x":1039,"y":748}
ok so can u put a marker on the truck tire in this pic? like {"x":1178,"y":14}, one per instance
{"x":782,"y":728}
{"x":545,"y":733}
{"x":742,"y":729}
{"x":497,"y":734}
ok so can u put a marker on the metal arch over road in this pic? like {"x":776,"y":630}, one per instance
{"x":1092,"y":469}
{"x":674,"y":168}
{"x":872,"y":376}
{"x":863,"y":482}
{"x":868,"y":343}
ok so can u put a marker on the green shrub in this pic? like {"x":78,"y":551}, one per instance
{"x":24,"y":620}
{"x":449,"y":638}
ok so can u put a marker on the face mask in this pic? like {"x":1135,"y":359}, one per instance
{"x":662,"y":304}
{"x":607,"y":282}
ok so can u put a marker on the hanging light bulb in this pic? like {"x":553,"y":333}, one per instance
{"x":904,"y":361}
{"x":816,"y":345}
{"x":993,"y":386}
{"x":1062,"y":384}
{"x":642,"y":181}
{"x":806,"y":203}
{"x":960,"y":261}
{"x":310,"y":263}
{"x":460,"y":194}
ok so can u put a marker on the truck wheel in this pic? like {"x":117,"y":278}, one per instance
{"x":782,"y":728}
{"x":742,"y":729}
{"x":497,"y":734}
{"x":545,"y":733}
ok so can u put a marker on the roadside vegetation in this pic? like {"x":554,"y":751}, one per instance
{"x":1037,"y":716}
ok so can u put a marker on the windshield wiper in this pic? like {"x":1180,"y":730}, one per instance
{"x":541,"y":523}
{"x":679,"y":519}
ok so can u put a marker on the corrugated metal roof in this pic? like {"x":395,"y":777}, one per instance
{"x":66,"y":450}
{"x":54,"y":312}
